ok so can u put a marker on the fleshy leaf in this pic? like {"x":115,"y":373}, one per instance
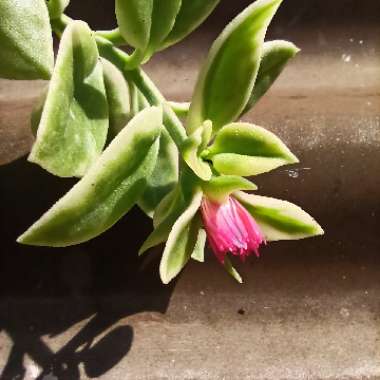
{"x":279,"y":220}
{"x":117,"y":97}
{"x":245,"y":149}
{"x":181,"y":241}
{"x":231,"y":270}
{"x":228,"y":76}
{"x":74,"y":121}
{"x":198,"y":253}
{"x":36,"y":114}
{"x":57,"y":7}
{"x":107,"y":192}
{"x":276,"y":55}
{"x":164,"y":176}
{"x":220,"y":187}
{"x":144,"y":24}
{"x":26,"y":43}
{"x":190,"y":16}
{"x":192,"y":147}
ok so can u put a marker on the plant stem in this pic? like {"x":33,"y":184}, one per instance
{"x":181,"y":109}
{"x":121,"y":60}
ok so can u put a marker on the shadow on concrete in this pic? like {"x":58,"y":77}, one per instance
{"x":45,"y":292}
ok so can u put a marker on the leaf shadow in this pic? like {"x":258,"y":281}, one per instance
{"x":46,"y":292}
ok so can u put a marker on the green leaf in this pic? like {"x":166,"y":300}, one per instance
{"x":74,"y":121}
{"x":181,"y":241}
{"x":57,"y":7}
{"x":26,"y":43}
{"x":228,"y":76}
{"x":231,"y":270}
{"x":276,"y":55}
{"x":170,"y":208}
{"x":163,"y":19}
{"x":245,"y":149}
{"x":198,"y":253}
{"x":190,"y":16}
{"x":164,"y":176}
{"x":134,"y":18}
{"x":279,"y":220}
{"x":144,"y":24}
{"x":219,"y":188}
{"x":117,"y":97}
{"x":192,"y":148}
{"x":107,"y":192}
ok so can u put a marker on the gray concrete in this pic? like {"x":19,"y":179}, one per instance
{"x":307,"y":310}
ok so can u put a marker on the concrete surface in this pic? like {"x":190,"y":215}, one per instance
{"x":307,"y":310}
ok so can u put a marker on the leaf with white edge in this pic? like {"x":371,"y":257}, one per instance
{"x":74,"y":122}
{"x":107,"y":192}
{"x":181,"y":241}
{"x":245,"y":149}
{"x":220,"y":187}
{"x":192,"y":148}
{"x":117,"y":97}
{"x":228,"y":76}
{"x":190,"y":16}
{"x":279,"y":220}
{"x":171,"y":207}
{"x":276,"y":55}
{"x":26,"y":42}
{"x":198,"y":253}
{"x":164,"y":176}
{"x":57,"y":7}
{"x":232,"y":271}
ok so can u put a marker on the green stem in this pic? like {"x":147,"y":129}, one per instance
{"x":113,"y":36}
{"x":121,"y":60}
{"x":181,"y":109}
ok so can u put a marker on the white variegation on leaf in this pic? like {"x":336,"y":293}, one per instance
{"x":245,"y":149}
{"x":73,"y":128}
{"x":107,"y":192}
{"x":229,"y":73}
{"x":26,"y":42}
{"x":279,"y":220}
{"x":181,"y":241}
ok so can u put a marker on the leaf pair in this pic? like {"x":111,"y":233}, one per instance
{"x":107,"y":191}
{"x":150,"y":25}
{"x":244,"y":149}
{"x":26,"y":43}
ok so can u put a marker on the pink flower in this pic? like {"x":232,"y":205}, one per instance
{"x":230,"y":228}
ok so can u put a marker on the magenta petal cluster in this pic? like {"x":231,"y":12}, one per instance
{"x":230,"y":228}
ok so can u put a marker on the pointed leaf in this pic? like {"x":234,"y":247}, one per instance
{"x":164,"y":176}
{"x":228,"y":76}
{"x":245,"y":149}
{"x":219,"y":188}
{"x":117,"y":97}
{"x":181,"y":241}
{"x":279,"y":220}
{"x":232,"y":271}
{"x":198,"y":253}
{"x":74,"y":121}
{"x":190,"y":16}
{"x":276,"y":55}
{"x":107,"y":192}
{"x":26,"y":43}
